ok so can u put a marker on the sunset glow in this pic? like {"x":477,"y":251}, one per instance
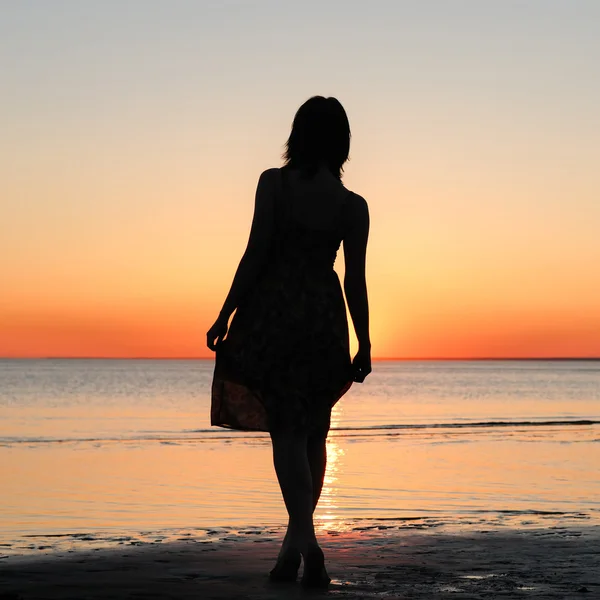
{"x":133,"y":138}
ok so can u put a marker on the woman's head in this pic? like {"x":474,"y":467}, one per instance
{"x":320,"y":137}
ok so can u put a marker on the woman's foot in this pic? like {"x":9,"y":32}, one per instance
{"x":315,"y":575}
{"x":286,"y":568}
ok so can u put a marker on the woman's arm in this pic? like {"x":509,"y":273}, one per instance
{"x":254,"y":257}
{"x":355,"y":283}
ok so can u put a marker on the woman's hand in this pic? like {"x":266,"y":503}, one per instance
{"x":362,"y":364}
{"x":216,"y":333}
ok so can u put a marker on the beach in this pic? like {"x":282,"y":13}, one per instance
{"x":371,"y":561}
{"x":445,"y":479}
{"x":398,"y":195}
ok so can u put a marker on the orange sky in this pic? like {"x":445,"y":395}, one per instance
{"x":132,"y":145}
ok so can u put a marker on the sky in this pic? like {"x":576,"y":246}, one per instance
{"x":134,"y":133}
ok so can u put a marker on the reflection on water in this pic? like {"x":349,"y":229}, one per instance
{"x":328,"y":509}
{"x":125,"y":446}
{"x":137,"y":486}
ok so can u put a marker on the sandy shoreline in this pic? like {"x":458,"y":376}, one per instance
{"x":369,"y":562}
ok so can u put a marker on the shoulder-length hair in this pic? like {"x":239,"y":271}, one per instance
{"x":320,"y":136}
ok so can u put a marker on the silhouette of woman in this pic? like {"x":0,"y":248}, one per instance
{"x":285,"y":360}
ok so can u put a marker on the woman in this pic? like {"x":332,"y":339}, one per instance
{"x":286,"y":361}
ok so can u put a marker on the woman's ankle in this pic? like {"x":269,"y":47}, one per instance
{"x":302,"y":539}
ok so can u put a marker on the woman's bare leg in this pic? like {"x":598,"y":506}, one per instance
{"x":317,"y":459}
{"x":290,"y":457}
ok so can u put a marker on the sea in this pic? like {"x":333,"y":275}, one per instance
{"x":111,"y":447}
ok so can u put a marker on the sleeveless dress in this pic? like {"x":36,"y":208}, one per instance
{"x":285,"y":360}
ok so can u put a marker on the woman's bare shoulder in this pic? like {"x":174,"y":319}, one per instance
{"x":268,"y":182}
{"x":356,"y":205}
{"x":270,"y":174}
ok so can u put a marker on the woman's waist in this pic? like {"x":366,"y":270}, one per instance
{"x":321,"y":263}
{"x":293,"y":274}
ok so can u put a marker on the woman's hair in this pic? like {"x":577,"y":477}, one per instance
{"x":320,"y":136}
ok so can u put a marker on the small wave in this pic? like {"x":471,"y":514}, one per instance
{"x":462,"y":425}
{"x":481,"y":424}
{"x":207,"y":435}
{"x":169,"y":439}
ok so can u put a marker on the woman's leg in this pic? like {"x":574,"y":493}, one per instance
{"x":290,"y":457}
{"x":317,"y":459}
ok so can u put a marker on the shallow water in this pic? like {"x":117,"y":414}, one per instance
{"x":125,"y":445}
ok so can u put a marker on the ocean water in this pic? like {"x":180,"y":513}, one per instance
{"x":126,"y":445}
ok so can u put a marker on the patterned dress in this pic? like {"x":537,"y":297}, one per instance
{"x":286,"y":361}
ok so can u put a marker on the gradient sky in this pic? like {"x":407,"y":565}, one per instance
{"x":134,"y":132}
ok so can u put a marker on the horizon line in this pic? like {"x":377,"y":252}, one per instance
{"x":375,"y":359}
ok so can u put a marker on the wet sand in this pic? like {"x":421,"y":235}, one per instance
{"x":375,"y":561}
